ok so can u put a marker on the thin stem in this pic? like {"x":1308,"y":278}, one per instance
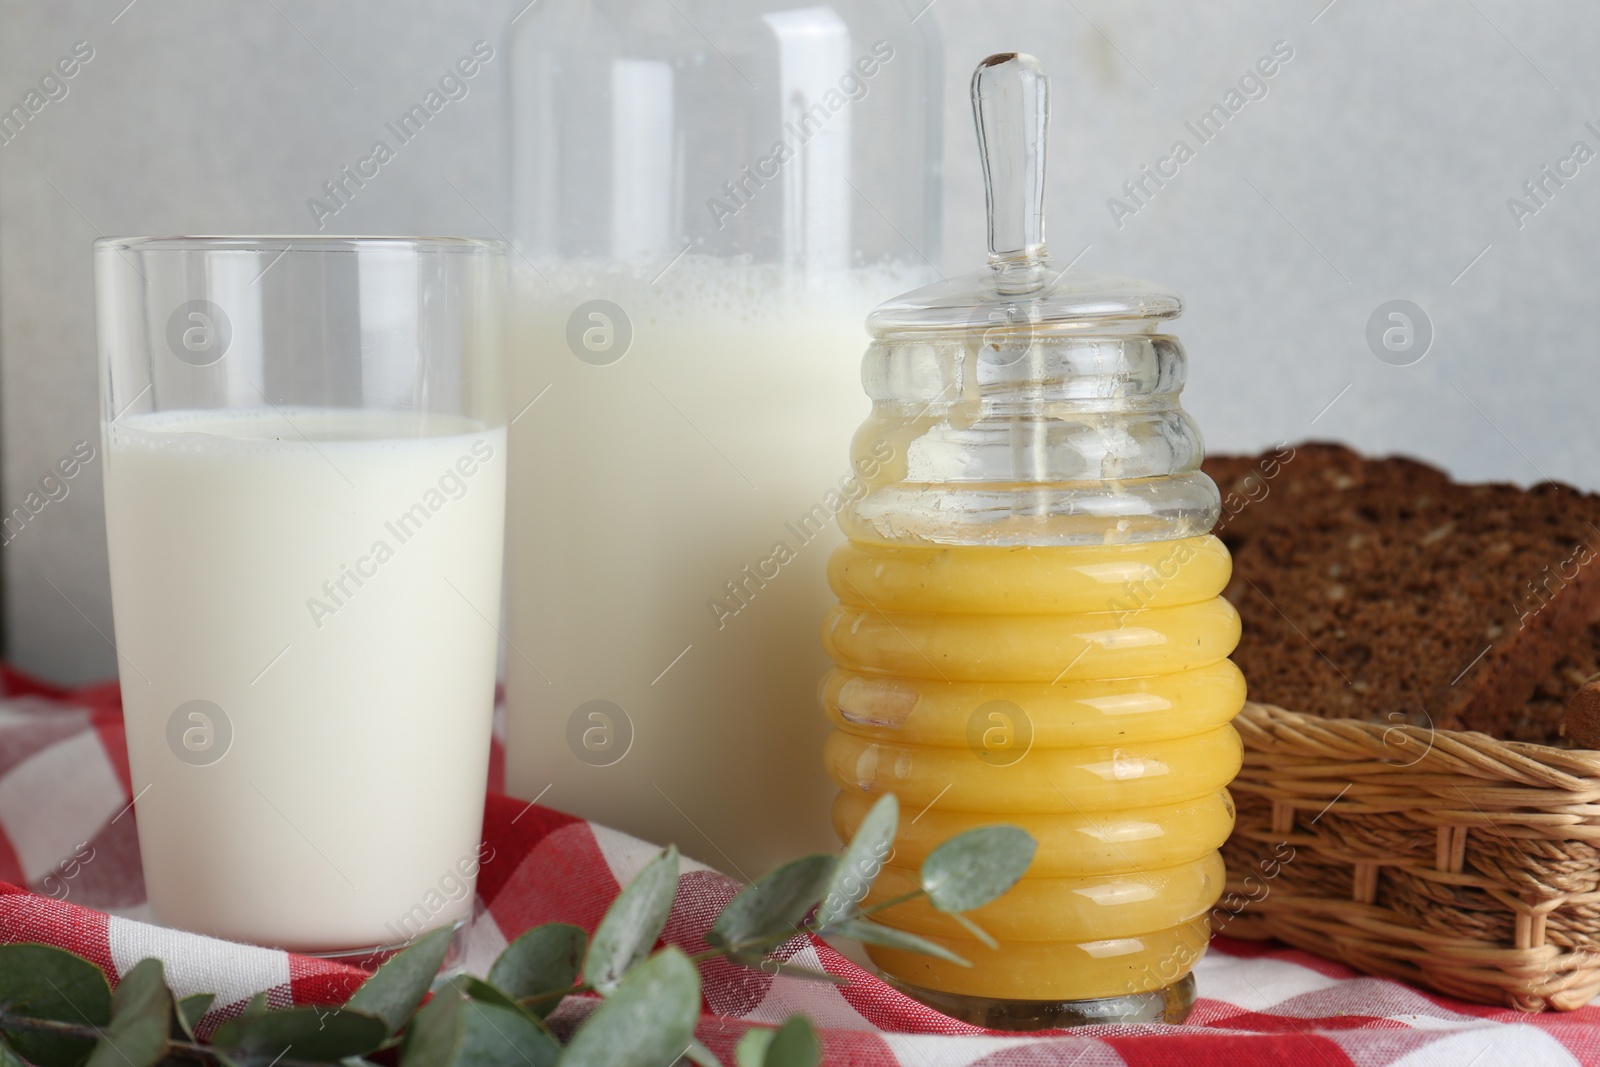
{"x":891,"y":902}
{"x":182,"y":1049}
{"x":762,"y":946}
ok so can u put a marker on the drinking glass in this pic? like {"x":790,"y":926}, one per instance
{"x":305,"y":500}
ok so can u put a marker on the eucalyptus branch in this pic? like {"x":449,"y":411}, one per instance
{"x":58,"y":1010}
{"x":85,"y":1032}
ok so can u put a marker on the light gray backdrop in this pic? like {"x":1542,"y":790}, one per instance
{"x":1377,"y":166}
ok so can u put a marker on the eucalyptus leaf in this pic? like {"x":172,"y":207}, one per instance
{"x":257,"y":1005}
{"x":311,"y":1033}
{"x":546,"y":959}
{"x":976,"y":867}
{"x":490,"y":1031}
{"x":435,"y":1036}
{"x":396,"y":988}
{"x":633,"y":923}
{"x":191,"y":1009}
{"x":45,"y":982}
{"x":142,"y":1014}
{"x":794,"y":1045}
{"x":871,"y":933}
{"x":647,"y":1021}
{"x":496,"y":1036}
{"x":767,"y":912}
{"x":751,"y":1051}
{"x":863,"y":859}
{"x":9,"y":1057}
{"x":479,"y":990}
{"x":701,"y":1056}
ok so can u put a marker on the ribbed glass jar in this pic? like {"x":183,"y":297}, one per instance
{"x":1030,"y":628}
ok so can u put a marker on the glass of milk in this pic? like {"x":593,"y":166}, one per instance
{"x":305,"y":497}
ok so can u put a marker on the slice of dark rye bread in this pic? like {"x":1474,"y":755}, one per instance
{"x":1381,"y":589}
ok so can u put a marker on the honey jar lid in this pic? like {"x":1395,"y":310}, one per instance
{"x":1021,"y":287}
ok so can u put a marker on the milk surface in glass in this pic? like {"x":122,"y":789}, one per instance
{"x":300,"y":600}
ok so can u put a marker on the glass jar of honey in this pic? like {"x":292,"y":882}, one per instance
{"x":1030,"y":628}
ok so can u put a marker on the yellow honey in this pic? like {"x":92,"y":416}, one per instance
{"x":1082,"y":692}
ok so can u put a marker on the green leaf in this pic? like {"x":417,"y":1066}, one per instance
{"x":191,"y":1010}
{"x":479,"y":990}
{"x":434,"y":1037}
{"x":794,"y":1045}
{"x":504,"y":1037}
{"x":701,"y":1056}
{"x":9,"y":1057}
{"x":450,"y":1031}
{"x":647,"y":1022}
{"x":863,"y":859}
{"x":544,"y":960}
{"x":767,"y":912}
{"x":633,"y":923}
{"x":256,"y":1006}
{"x":396,"y":988}
{"x":45,"y":982}
{"x":871,"y":933}
{"x":310,"y":1033}
{"x":751,"y":1051}
{"x":973,"y":868}
{"x":141,"y":1019}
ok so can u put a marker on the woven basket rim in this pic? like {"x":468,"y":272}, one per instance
{"x":1396,"y":748}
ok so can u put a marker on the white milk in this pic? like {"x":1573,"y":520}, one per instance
{"x":327,"y":578}
{"x":640,"y":489}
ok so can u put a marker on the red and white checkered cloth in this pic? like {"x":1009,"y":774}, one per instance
{"x":64,"y":781}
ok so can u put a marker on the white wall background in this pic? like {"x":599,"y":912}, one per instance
{"x":1377,"y":167}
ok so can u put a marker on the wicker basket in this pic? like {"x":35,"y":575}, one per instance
{"x":1452,"y":860}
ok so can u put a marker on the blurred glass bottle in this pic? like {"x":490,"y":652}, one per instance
{"x":708,"y":197}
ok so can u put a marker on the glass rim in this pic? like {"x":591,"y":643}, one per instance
{"x":278,"y":243}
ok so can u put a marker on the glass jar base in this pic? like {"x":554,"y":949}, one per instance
{"x":1169,"y":1005}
